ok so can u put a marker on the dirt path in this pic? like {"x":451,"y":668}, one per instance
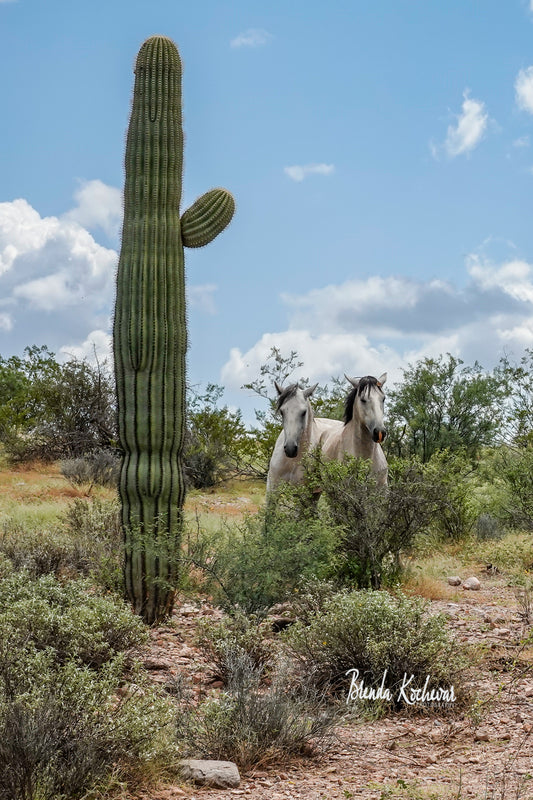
{"x":481,"y":754}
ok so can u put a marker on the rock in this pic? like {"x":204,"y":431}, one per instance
{"x":221,"y":774}
{"x":454,"y":580}
{"x":502,"y":631}
{"x":472,"y":583}
{"x":481,"y":736}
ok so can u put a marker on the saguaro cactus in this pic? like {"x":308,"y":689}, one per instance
{"x":150,"y":327}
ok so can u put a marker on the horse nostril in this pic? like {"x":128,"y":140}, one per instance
{"x":379,"y":434}
{"x":291,"y":450}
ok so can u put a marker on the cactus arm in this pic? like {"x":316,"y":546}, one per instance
{"x":207,"y":217}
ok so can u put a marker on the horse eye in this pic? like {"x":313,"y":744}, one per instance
{"x":303,"y":413}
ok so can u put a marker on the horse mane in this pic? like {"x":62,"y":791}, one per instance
{"x":363,"y":387}
{"x":287,"y":393}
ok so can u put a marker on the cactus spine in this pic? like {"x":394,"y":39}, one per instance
{"x":150,"y":327}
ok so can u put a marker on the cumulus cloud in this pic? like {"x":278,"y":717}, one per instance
{"x":97,"y":348}
{"x":253,"y":37}
{"x":299,"y":172}
{"x":54,"y":277}
{"x":99,"y":206}
{"x":469,"y":129}
{"x":524,"y":89}
{"x":384,"y":323}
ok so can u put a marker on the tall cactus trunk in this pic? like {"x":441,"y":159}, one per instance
{"x":150,"y":327}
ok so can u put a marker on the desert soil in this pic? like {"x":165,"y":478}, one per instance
{"x":481,"y":754}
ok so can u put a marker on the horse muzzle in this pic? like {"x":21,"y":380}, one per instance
{"x":291,"y":450}
{"x":378,"y":434}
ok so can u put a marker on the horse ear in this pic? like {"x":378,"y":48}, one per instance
{"x":279,"y":390}
{"x":308,"y":392}
{"x":353,"y":381}
{"x":382,"y":379}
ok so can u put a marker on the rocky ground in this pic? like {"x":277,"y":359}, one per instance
{"x":481,"y":753}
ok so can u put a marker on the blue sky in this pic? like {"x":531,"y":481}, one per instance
{"x":380,"y":155}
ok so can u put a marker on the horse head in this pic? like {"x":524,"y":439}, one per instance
{"x":294,"y":407}
{"x":365,"y":403}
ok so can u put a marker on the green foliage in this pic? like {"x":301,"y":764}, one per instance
{"x":64,"y":730}
{"x":514,"y":468}
{"x":87,"y":541}
{"x":443,"y":405}
{"x":238,"y":634}
{"x":254,"y":725}
{"x":518,"y":380}
{"x":66,"y":618}
{"x":375,"y":524}
{"x":449,"y":480}
{"x":258,"y":562}
{"x":373,"y":631}
{"x":50,"y":410}
{"x":218,"y":444}
{"x":150,"y":326}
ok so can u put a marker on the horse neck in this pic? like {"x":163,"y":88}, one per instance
{"x":358,"y":434}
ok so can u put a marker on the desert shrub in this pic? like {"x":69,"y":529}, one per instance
{"x":64,"y":729}
{"x":95,"y":530}
{"x":375,"y":524}
{"x":373,"y":631}
{"x":488,"y":527}
{"x":254,"y":725}
{"x":100,"y":468}
{"x":67,"y":618}
{"x":448,"y":476}
{"x":221,"y":641}
{"x":515,"y":469}
{"x":258,"y":562}
{"x":87,"y":541}
{"x":36,"y":552}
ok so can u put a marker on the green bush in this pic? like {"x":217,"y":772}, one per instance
{"x":375,"y":524}
{"x":87,"y":541}
{"x":67,"y":618}
{"x":64,"y":730}
{"x":258,"y":562}
{"x":253,"y":725}
{"x":515,"y":469}
{"x":373,"y":631}
{"x":239,"y":633}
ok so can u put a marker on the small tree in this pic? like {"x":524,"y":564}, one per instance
{"x":50,"y":410}
{"x":443,"y":405}
{"x":217,"y":443}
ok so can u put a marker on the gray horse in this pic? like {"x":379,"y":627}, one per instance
{"x":302,"y":432}
{"x":364,"y":429}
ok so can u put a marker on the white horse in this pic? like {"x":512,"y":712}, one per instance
{"x":302,"y":432}
{"x":364,"y":428}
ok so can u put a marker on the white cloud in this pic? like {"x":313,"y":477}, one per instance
{"x":522,"y":141}
{"x":54,"y":277}
{"x":99,"y":206}
{"x":471,"y":125}
{"x":384,"y":323}
{"x":299,"y":172}
{"x":202,"y":297}
{"x":97,"y":347}
{"x":253,"y":37}
{"x":524,"y":89}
